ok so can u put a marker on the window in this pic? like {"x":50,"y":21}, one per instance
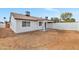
{"x":25,"y":24}
{"x":40,"y":23}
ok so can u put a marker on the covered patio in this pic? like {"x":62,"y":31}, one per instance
{"x":47,"y":25}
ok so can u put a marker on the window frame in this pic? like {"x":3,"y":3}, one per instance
{"x":25,"y":23}
{"x":40,"y":23}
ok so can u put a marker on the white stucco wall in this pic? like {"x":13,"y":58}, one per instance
{"x":65,"y":26}
{"x":13,"y":24}
{"x":34,"y":25}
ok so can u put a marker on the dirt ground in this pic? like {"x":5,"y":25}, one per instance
{"x":39,"y":40}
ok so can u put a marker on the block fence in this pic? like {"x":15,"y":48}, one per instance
{"x":64,"y":26}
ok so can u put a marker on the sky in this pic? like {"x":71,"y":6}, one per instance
{"x":39,"y":12}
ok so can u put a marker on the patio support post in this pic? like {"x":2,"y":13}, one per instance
{"x":44,"y":24}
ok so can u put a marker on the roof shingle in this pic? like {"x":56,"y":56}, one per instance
{"x":24,"y":17}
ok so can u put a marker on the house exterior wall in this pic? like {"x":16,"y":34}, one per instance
{"x":65,"y":26}
{"x":13,"y":24}
{"x":34,"y":25}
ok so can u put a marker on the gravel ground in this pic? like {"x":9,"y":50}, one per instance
{"x":39,"y":40}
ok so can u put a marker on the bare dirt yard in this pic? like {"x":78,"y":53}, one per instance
{"x":43,"y":40}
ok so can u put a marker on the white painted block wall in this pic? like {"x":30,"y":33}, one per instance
{"x":49,"y":25}
{"x":13,"y":24}
{"x":33,"y":26}
{"x":64,"y":26}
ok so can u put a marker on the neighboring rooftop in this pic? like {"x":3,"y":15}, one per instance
{"x":1,"y":22}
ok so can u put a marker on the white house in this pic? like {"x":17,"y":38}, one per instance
{"x":24,"y":23}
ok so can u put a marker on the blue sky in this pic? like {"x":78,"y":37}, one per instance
{"x":39,"y":12}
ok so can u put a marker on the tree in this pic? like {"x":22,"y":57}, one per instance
{"x":67,"y":20}
{"x":56,"y":19}
{"x":4,"y":17}
{"x":66,"y":15}
{"x":72,"y":20}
